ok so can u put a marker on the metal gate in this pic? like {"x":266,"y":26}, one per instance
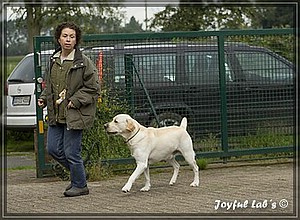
{"x":237,"y":88}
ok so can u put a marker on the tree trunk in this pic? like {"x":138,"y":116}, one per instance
{"x":33,"y":24}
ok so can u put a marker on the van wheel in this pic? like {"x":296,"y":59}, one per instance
{"x":166,"y":119}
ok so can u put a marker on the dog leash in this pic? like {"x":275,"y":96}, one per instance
{"x":133,"y":136}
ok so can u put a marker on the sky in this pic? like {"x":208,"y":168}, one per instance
{"x":140,"y":13}
{"x":137,"y":9}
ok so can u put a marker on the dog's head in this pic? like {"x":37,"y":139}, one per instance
{"x":121,"y":124}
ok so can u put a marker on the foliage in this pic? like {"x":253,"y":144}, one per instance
{"x":194,"y":16}
{"x":16,"y":39}
{"x":34,"y":20}
{"x":269,"y":17}
{"x":96,"y":138}
{"x":91,"y":18}
{"x":96,"y":171}
{"x":210,"y":142}
{"x":200,"y":17}
{"x":18,"y":141}
{"x":132,"y":27}
{"x":22,"y":168}
{"x":263,"y":139}
{"x":202,"y":163}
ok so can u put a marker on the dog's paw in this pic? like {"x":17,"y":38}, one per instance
{"x":126,"y":188}
{"x":171,"y":183}
{"x":145,"y":189}
{"x":194,"y":184}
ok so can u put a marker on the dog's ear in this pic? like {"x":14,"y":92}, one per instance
{"x":130,"y":125}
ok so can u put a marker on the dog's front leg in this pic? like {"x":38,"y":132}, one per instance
{"x":140,"y":168}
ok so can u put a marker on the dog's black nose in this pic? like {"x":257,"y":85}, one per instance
{"x":105,"y":125}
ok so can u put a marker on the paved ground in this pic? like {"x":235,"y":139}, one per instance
{"x":255,"y":190}
{"x":22,"y":159}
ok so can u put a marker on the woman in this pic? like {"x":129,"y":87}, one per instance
{"x":70,"y":95}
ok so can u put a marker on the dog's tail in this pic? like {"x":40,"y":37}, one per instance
{"x":183,"y":123}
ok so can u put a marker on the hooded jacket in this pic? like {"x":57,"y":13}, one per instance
{"x":82,"y":88}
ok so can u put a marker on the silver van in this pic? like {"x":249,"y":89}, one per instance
{"x":20,"y":108}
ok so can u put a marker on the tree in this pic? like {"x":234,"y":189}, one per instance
{"x":279,"y":16}
{"x":16,"y":39}
{"x":194,"y":17}
{"x":92,"y":19}
{"x":133,"y":26}
{"x":200,"y":17}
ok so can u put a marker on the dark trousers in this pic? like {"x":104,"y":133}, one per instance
{"x":64,"y":146}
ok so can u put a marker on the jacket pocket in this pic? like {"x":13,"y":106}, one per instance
{"x":81,"y":118}
{"x":72,"y":114}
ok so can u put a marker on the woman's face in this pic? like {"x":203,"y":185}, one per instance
{"x":67,"y":39}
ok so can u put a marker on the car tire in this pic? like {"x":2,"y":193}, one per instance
{"x":166,"y":119}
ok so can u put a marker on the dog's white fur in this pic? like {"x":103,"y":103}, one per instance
{"x":150,"y":145}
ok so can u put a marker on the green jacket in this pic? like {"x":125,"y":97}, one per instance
{"x":82,"y":88}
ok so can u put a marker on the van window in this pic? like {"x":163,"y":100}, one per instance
{"x":263,"y":67}
{"x":203,"y":67}
{"x":152,"y":68}
{"x":24,"y":72}
{"x":156,"y":67}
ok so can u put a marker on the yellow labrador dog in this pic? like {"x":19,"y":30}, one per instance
{"x":150,"y":145}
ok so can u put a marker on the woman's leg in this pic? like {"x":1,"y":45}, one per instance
{"x":72,"y":144}
{"x":55,"y":144}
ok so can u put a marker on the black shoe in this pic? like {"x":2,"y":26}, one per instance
{"x":69,"y":187}
{"x":74,"y":191}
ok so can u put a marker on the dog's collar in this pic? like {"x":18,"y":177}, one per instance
{"x":132,"y":136}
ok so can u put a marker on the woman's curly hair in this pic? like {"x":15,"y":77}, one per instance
{"x":70,"y":25}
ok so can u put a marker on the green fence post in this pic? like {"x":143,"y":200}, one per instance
{"x":40,"y":164}
{"x":224,"y":125}
{"x":129,"y":80}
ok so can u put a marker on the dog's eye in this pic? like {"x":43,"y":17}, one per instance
{"x":116,"y":121}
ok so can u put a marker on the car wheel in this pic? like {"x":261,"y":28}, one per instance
{"x":167,"y":119}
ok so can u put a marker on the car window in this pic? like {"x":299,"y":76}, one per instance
{"x":152,"y":68}
{"x":203,"y":67}
{"x":119,"y":68}
{"x":24,"y":72}
{"x":156,"y":67}
{"x":263,"y":67}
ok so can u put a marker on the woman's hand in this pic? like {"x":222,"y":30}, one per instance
{"x":71,"y":105}
{"x":41,"y":103}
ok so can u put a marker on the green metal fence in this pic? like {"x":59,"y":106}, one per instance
{"x":237,"y":88}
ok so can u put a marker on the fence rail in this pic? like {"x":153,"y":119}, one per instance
{"x":237,"y":88}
